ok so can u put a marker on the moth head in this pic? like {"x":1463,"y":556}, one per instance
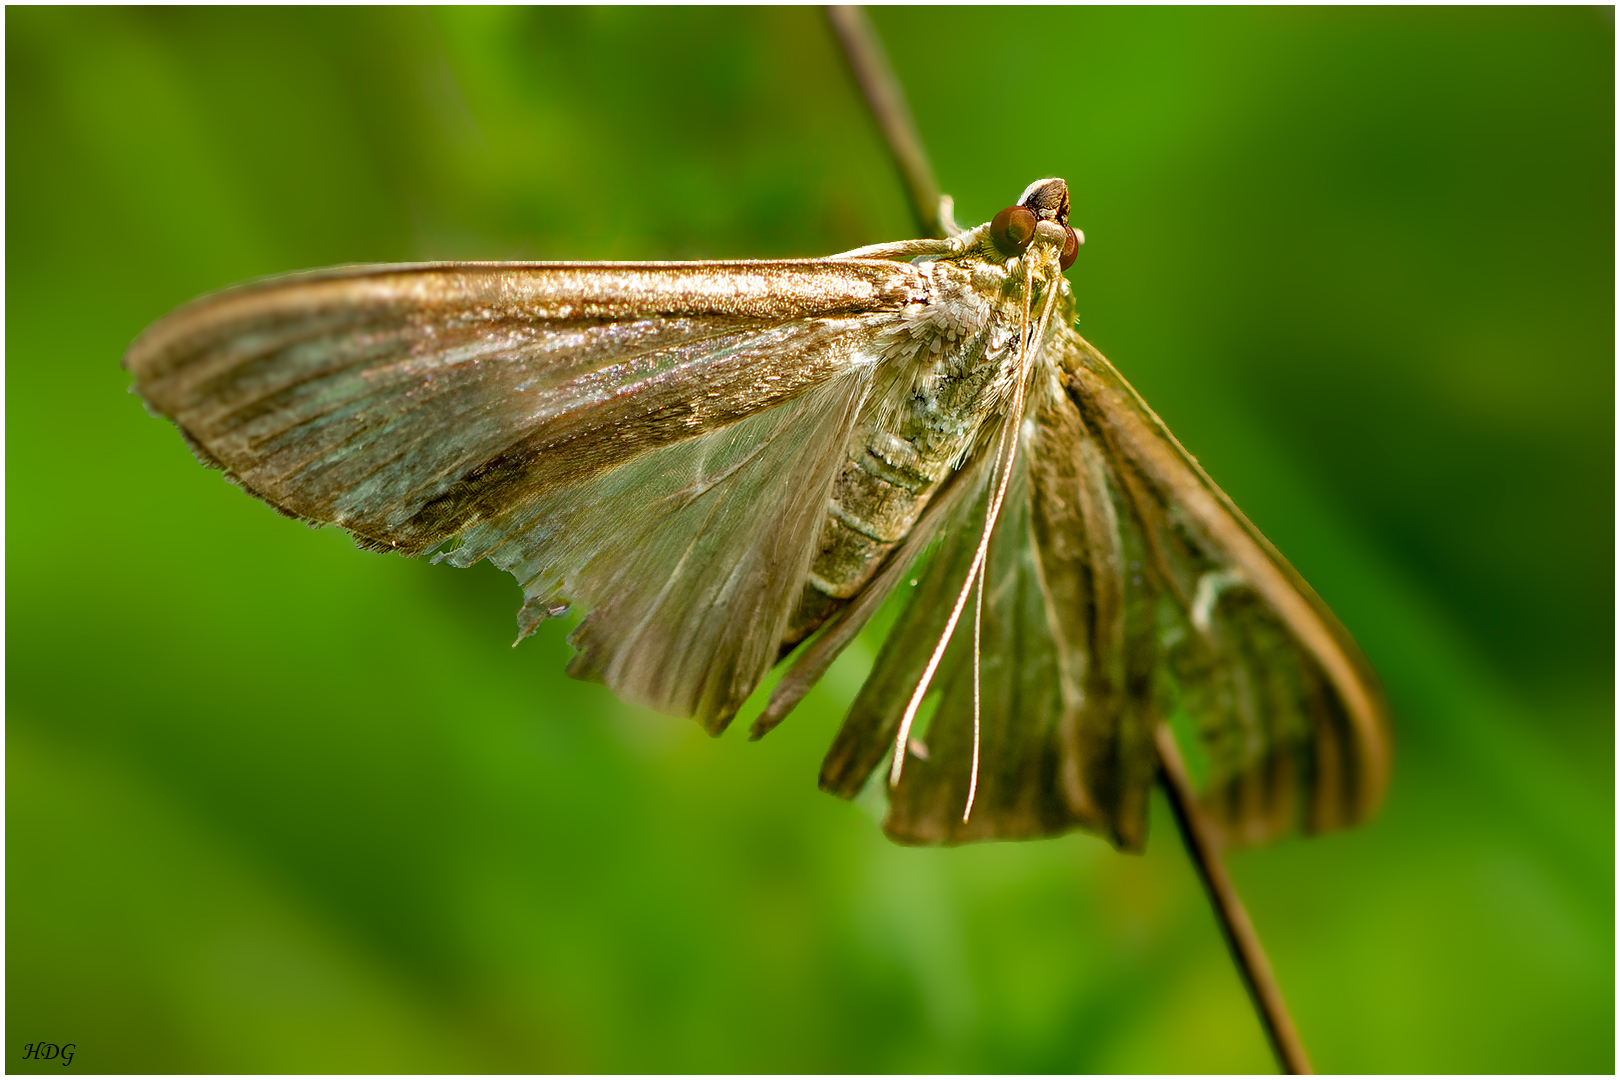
{"x":1048,"y":200}
{"x":1045,"y":202}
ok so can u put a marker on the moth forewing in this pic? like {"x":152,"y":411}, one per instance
{"x":581,"y":425}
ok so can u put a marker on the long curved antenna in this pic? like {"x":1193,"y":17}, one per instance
{"x":1010,"y":433}
{"x":903,"y":735}
{"x":978,"y":624}
{"x":885,"y":98}
{"x":1004,"y":463}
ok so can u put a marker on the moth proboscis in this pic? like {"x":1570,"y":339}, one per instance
{"x":728,"y":464}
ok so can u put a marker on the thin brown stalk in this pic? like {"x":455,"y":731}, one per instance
{"x":1247,"y":952}
{"x":887,"y":101}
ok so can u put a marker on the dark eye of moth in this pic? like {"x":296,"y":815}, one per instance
{"x":1013,"y":229}
{"x":1071,"y":248}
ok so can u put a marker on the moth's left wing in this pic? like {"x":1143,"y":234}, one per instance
{"x":653,"y":441}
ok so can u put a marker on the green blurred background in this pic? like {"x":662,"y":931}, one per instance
{"x":275,"y":804}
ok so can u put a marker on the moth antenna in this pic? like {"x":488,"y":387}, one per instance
{"x":978,"y":604}
{"x":1004,"y":462}
{"x":978,"y":601}
{"x":978,"y":622}
{"x":910,"y":715}
{"x":973,"y":777}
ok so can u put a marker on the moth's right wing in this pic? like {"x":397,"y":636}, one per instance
{"x":655,"y":442}
{"x":1122,"y":587}
{"x":1291,"y":722}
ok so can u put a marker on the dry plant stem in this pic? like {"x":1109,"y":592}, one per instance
{"x":887,"y":100}
{"x":1241,"y":938}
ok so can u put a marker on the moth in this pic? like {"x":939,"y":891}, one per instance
{"x":731,"y":465}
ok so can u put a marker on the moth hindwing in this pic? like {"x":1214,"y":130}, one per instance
{"x":721,"y":461}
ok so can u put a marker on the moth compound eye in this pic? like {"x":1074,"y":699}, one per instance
{"x":1012,"y":230}
{"x":1071,"y":248}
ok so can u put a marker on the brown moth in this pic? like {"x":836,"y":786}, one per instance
{"x":725,"y":463}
